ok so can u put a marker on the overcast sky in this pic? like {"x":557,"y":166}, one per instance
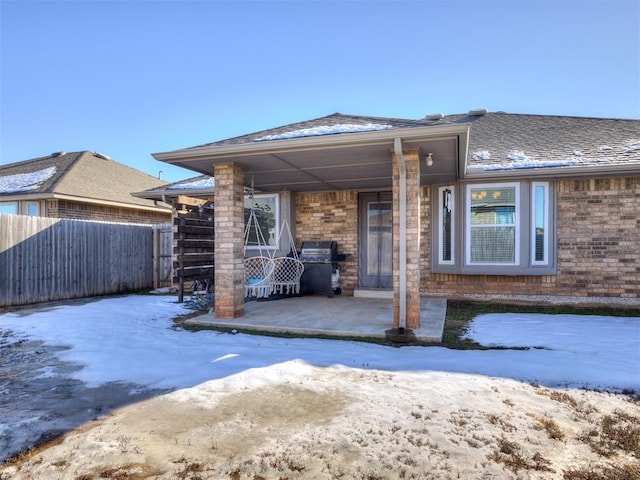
{"x":133,"y":77}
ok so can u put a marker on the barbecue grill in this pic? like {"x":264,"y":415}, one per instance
{"x":321,"y":271}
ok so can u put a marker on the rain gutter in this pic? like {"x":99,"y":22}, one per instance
{"x":402,"y":173}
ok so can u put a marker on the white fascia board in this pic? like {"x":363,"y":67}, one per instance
{"x":173,"y":192}
{"x":16,"y":197}
{"x":555,"y":172}
{"x":314,"y":142}
{"x":134,"y":206}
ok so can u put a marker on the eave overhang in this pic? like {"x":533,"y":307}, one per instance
{"x":355,"y":161}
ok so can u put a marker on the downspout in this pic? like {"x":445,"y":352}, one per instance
{"x":402,"y":174}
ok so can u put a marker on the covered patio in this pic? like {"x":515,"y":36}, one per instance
{"x":341,"y":316}
{"x":348,"y":156}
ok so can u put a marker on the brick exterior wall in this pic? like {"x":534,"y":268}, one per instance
{"x":598,"y":242}
{"x":413,"y":204}
{"x":229,"y":241}
{"x":599,"y":237}
{"x":103,"y":213}
{"x":331,"y":216}
{"x":598,"y":247}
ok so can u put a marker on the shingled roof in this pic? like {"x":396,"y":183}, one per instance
{"x":79,"y":175}
{"x":502,"y":142}
{"x":498,"y":142}
{"x":334,"y":124}
{"x":202,"y":185}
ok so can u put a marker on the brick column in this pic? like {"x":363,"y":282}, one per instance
{"x":229,"y":241}
{"x":412,"y":163}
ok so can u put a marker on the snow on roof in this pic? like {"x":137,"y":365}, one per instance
{"x":325,"y":130}
{"x":633,"y":147}
{"x":481,"y":155}
{"x":517,"y":160}
{"x":517,"y":156}
{"x":200,"y":184}
{"x":24,"y":182}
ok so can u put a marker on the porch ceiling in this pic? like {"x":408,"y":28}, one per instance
{"x":308,"y":166}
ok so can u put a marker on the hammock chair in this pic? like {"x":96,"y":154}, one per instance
{"x":258,"y":269}
{"x":266,"y":274}
{"x":287,"y":270}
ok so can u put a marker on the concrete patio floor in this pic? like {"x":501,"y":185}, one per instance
{"x":340,"y":316}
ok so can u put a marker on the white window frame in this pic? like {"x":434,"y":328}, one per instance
{"x":526,"y":263}
{"x":452,"y":208}
{"x":546,"y":224}
{"x":277,"y":221}
{"x":515,"y":224}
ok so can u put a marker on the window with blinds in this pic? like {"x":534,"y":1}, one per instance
{"x":492,"y":224}
{"x":446,"y":208}
{"x":494,"y":228}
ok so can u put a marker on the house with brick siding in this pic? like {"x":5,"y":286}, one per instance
{"x":80,"y":185}
{"x":497,"y":204}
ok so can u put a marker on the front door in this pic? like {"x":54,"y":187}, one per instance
{"x":375,"y":237}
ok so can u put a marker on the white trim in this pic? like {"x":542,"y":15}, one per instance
{"x":515,"y":224}
{"x":545,"y":225}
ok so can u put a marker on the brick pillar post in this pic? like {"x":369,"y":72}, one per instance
{"x":412,"y":164}
{"x":229,"y":241}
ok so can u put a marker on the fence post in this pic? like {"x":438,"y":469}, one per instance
{"x":156,"y":257}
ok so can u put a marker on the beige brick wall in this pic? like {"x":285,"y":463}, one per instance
{"x":598,"y":242}
{"x":598,"y":247}
{"x":414,"y":220}
{"x":599,"y":237}
{"x":229,"y":241}
{"x":103,"y":213}
{"x":331,"y":216}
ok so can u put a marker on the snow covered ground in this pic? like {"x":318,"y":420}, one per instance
{"x":132,"y":341}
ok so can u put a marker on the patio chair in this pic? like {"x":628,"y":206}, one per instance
{"x":286,"y":275}
{"x":257,"y":276}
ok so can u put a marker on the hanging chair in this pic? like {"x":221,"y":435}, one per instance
{"x":265,"y":275}
{"x":287,"y":270}
{"x":257,"y":276}
{"x":259,"y":269}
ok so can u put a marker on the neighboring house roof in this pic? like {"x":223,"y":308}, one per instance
{"x":79,"y":176}
{"x":201,"y":185}
{"x":328,"y":152}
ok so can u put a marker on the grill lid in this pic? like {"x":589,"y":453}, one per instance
{"x":320,"y":246}
{"x":318,"y":251}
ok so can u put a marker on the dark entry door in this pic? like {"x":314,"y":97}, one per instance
{"x":375,"y":234}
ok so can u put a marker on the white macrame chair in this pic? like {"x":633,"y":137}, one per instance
{"x":258,"y":270}
{"x":287,"y":271}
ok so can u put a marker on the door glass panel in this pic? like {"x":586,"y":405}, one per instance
{"x":379,"y":238}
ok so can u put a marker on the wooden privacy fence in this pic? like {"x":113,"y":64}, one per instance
{"x":193,"y":243}
{"x":44,"y":259}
